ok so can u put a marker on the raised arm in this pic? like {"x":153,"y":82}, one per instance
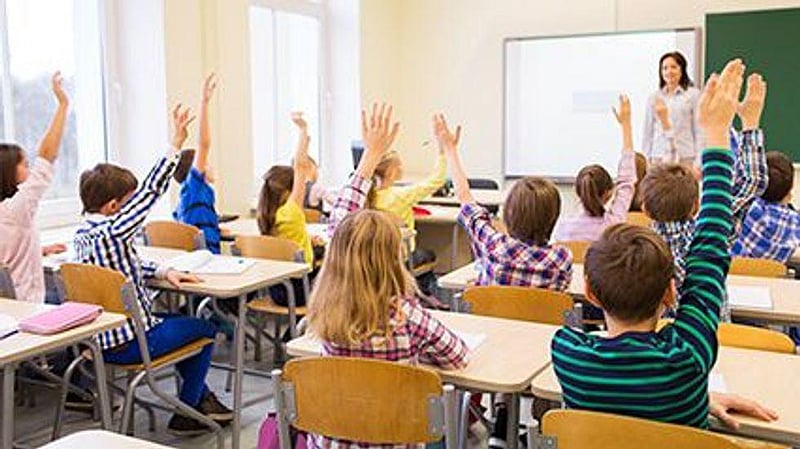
{"x":709,"y":258}
{"x":302,"y":164}
{"x":448,"y":144}
{"x":51,"y":142}
{"x":751,"y":162}
{"x":378,"y":132}
{"x":626,"y":171}
{"x":201,"y":162}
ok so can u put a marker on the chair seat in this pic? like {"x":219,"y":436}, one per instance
{"x":166,"y":359}
{"x":267,"y":305}
{"x":423,"y":268}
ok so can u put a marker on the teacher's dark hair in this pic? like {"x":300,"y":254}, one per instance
{"x":685,"y":81}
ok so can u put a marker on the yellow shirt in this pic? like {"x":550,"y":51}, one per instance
{"x":401,"y":200}
{"x":290,"y":224}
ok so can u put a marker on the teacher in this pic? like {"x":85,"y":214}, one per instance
{"x":671,"y":131}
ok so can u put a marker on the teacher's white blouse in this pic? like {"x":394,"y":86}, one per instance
{"x":685,"y":139}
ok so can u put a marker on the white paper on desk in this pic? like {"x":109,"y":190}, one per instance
{"x":8,"y":325}
{"x":750,"y":297}
{"x":203,"y":262}
{"x":716,"y":383}
{"x":473,"y":341}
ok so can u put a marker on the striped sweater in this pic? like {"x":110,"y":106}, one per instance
{"x":661,"y":375}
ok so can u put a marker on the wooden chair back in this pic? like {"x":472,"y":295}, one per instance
{"x":751,"y":337}
{"x":519,"y":303}
{"x":639,"y":219}
{"x":6,"y":283}
{"x":578,"y":249}
{"x":267,"y":247}
{"x":580,"y":429}
{"x":313,"y":215}
{"x":748,"y":266}
{"x":373,"y":399}
{"x":93,"y":285}
{"x":175,"y":235}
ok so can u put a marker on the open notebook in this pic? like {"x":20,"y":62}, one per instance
{"x":203,"y":262}
{"x":8,"y":325}
{"x":473,"y":340}
{"x":750,"y":297}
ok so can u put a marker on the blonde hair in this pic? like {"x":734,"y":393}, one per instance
{"x":362,"y":281}
{"x":388,"y":161}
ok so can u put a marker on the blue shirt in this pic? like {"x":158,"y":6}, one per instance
{"x":769,"y":231}
{"x":196,"y":208}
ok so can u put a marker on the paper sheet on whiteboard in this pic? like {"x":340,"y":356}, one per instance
{"x":750,"y":297}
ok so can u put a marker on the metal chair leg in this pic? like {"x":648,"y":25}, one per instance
{"x":62,"y":400}
{"x":126,"y":427}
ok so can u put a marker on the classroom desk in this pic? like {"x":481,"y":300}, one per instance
{"x":484,"y":197}
{"x":88,"y":439}
{"x":23,"y":346}
{"x":785,"y":293}
{"x":263,"y":274}
{"x":441,"y":233}
{"x":249,"y":226}
{"x":495,"y":366}
{"x":766,"y":377}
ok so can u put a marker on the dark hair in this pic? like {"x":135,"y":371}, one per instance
{"x":275,"y":191}
{"x":685,"y":82}
{"x":625,"y":252}
{"x":592,"y":185}
{"x":669,"y":192}
{"x":11,"y":156}
{"x":641,"y":171}
{"x":781,"y":177}
{"x":103,"y":183}
{"x":531,"y":210}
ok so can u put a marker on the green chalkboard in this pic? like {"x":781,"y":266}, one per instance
{"x":769,"y":43}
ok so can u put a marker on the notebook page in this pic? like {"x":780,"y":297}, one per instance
{"x":750,"y":297}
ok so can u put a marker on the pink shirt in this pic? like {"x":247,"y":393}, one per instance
{"x":20,"y":250}
{"x":583,"y":227}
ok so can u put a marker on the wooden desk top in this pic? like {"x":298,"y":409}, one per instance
{"x":249,"y":226}
{"x":766,"y":377}
{"x":506,"y":362}
{"x":101,"y":438}
{"x":483,"y":197}
{"x":22,"y":345}
{"x":785,"y":293}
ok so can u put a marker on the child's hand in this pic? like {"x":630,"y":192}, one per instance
{"x":718,"y":103}
{"x":209,"y":87}
{"x":175,"y":278}
{"x":378,"y":132}
{"x":300,"y":122}
{"x":181,"y":119}
{"x":56,"y":248}
{"x":662,"y":113}
{"x":58,"y":90}
{"x":623,"y":114}
{"x":721,"y":404}
{"x":751,"y":108}
{"x":448,"y":141}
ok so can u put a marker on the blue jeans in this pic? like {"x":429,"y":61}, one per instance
{"x":174,"y":332}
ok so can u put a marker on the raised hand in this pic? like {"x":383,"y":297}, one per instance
{"x":209,"y":86}
{"x":378,"y":132}
{"x":718,"y":103}
{"x":623,"y":114}
{"x":181,"y":119}
{"x":299,"y":121}
{"x":448,"y":141}
{"x":751,"y":108}
{"x":58,"y":89}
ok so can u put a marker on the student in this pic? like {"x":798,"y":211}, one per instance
{"x":21,"y":188}
{"x":641,"y":171}
{"x":595,"y":188}
{"x":317,"y":196}
{"x":636,"y":370}
{"x":115,"y":210}
{"x":197,"y":198}
{"x":364,"y":303}
{"x":670,"y":193}
{"x":771,"y":227}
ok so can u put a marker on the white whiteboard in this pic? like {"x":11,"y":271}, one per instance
{"x":559,"y":92}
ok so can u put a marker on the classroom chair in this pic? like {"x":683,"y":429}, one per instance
{"x":483,"y":184}
{"x":748,"y":266}
{"x":639,"y":219}
{"x":270,"y":248}
{"x":581,"y":429}
{"x":752,"y":337}
{"x":109,"y":289}
{"x":173,"y":234}
{"x":6,"y":284}
{"x":312,"y":215}
{"x":578,"y":249}
{"x":520,"y":303}
{"x":374,"y":401}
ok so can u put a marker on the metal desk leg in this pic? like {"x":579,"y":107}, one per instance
{"x":292,"y":306}
{"x":238,"y":378}
{"x":454,"y":249}
{"x":102,"y":385}
{"x":512,"y":426}
{"x":8,"y":406}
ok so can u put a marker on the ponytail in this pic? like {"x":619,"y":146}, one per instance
{"x":387,"y":162}
{"x":275,"y":191}
{"x":592,"y":185}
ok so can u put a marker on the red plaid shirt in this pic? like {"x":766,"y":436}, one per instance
{"x":504,"y":260}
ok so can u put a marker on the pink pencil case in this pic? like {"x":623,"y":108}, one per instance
{"x":61,"y":318}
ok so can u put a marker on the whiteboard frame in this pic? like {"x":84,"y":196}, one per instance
{"x":698,"y":77}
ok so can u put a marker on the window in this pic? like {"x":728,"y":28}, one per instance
{"x":38,"y":37}
{"x":286,"y":76}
